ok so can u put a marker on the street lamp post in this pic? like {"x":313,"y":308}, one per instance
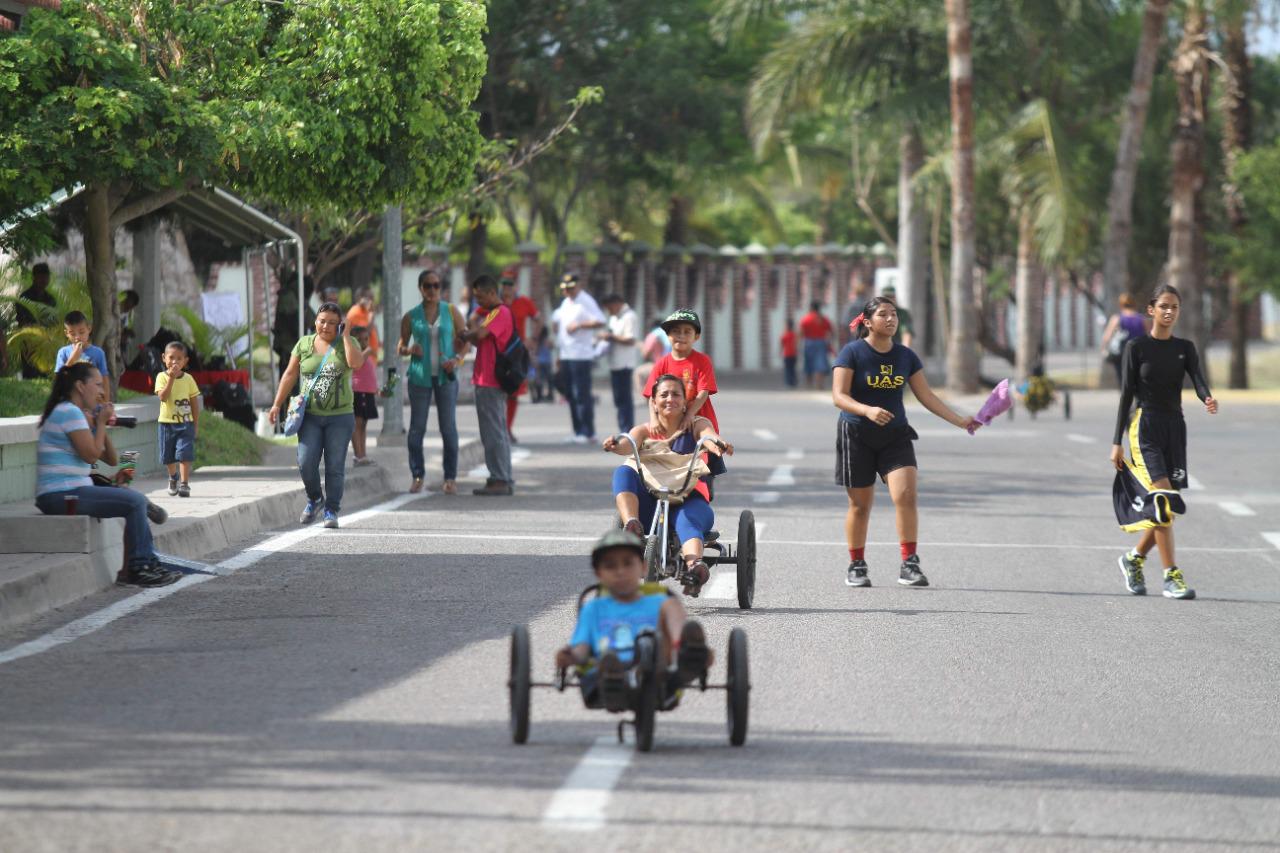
{"x":393,"y":409}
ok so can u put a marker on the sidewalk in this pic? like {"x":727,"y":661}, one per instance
{"x":227,"y":505}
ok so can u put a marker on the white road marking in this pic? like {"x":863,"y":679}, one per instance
{"x":581,"y":801}
{"x":795,"y":454}
{"x":765,"y":434}
{"x":1193,"y":483}
{"x":518,"y":455}
{"x":1273,"y":538}
{"x":1236,"y":508}
{"x":100,"y":619}
{"x":722,"y":585}
{"x":782,"y":476}
{"x":766,"y":497}
{"x":1081,"y":439}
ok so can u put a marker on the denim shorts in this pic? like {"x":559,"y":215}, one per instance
{"x":177,"y":443}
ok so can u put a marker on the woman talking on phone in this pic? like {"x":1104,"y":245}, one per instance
{"x":326,"y":365}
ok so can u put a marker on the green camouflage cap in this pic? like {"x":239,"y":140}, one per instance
{"x":617,"y":537}
{"x":683,"y":315}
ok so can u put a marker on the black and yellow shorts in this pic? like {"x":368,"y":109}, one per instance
{"x":1158,"y":447}
{"x":860,"y":459}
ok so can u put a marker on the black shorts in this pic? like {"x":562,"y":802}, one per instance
{"x":1158,"y":446}
{"x":857,"y":463}
{"x":366,"y":405}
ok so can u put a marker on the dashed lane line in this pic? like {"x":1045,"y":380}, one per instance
{"x":766,"y":497}
{"x":581,"y":802}
{"x":101,"y":618}
{"x":518,"y":455}
{"x":795,"y":454}
{"x":1236,"y":508}
{"x":765,"y":434}
{"x":1273,"y":538}
{"x":783,"y":475}
{"x":1080,"y":438}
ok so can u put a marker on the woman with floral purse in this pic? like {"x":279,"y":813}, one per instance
{"x":328,"y":419}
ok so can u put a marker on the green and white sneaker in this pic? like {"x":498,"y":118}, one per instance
{"x":1131,"y":567}
{"x":1175,"y":586}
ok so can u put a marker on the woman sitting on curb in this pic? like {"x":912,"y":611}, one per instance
{"x":66,"y":449}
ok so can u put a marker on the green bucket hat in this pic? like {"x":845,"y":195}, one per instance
{"x":617,"y":537}
{"x":682,"y":315}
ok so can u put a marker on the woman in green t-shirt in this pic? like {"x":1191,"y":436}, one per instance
{"x":330,"y":418}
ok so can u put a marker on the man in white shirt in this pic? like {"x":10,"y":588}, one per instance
{"x":623,"y":337}
{"x":575,"y":321}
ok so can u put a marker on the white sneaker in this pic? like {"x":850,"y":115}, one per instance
{"x":581,"y":439}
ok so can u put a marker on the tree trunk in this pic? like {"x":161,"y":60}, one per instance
{"x":1029,"y":289}
{"x":1115,"y":252}
{"x":677,"y":228}
{"x":477,"y":244}
{"x":1237,"y":131}
{"x":913,"y":245}
{"x":962,"y":352}
{"x":100,"y":271}
{"x":1190,"y":66}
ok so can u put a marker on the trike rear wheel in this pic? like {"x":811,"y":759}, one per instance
{"x":519,"y":684}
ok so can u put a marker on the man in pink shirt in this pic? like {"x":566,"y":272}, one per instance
{"x":490,"y":329}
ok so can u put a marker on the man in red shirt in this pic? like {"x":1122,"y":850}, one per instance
{"x":816,"y":331}
{"x":523,"y":309}
{"x":490,"y":329}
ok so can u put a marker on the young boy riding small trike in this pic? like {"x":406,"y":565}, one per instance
{"x":633,"y":650}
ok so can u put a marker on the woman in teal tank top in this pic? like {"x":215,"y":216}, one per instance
{"x":429,"y":338}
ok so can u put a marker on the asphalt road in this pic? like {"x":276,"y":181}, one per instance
{"x":346,"y":690}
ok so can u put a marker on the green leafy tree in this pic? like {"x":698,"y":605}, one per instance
{"x":358,"y":102}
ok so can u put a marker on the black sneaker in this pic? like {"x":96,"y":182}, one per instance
{"x":184,"y":491}
{"x":694,"y":658}
{"x":857,"y":574}
{"x":613,"y":682}
{"x":148,"y":575}
{"x":156,"y":513}
{"x":173,"y":485}
{"x":910,"y":575}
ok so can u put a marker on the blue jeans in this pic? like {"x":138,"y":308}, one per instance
{"x":693,"y":518}
{"x":329,"y":435}
{"x":581,"y":407}
{"x":109,"y":502}
{"x":789,"y":371}
{"x":446,"y":397}
{"x":621,"y":381}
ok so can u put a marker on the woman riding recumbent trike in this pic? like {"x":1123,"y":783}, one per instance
{"x":667,"y":483}
{"x":633,"y":650}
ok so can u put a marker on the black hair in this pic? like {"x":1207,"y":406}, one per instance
{"x":177,"y":345}
{"x":63,"y":381}
{"x":612,"y":297}
{"x":815,"y":305}
{"x":75,"y":318}
{"x":667,"y":377}
{"x":1161,"y":291}
{"x":331,"y":307}
{"x":484,"y":282}
{"x":126,"y":295}
{"x":40,"y":267}
{"x":358,"y":330}
{"x":863,"y":329}
{"x":422,"y":276}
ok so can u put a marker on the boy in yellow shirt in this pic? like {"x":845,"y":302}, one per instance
{"x":179,"y":413}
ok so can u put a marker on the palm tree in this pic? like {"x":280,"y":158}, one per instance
{"x":1186,"y":251}
{"x":1237,"y":129}
{"x":962,"y":350}
{"x":878,"y":60}
{"x":1115,"y":257}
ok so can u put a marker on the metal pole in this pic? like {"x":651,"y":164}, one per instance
{"x":302,"y":305}
{"x":248,"y":310}
{"x":393,"y":411}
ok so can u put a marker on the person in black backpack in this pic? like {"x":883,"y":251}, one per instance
{"x":492,"y":330}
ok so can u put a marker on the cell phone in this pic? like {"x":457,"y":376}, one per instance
{"x":342,"y":327}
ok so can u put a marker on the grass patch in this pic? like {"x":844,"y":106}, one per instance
{"x":224,"y":442}
{"x":19,"y":397}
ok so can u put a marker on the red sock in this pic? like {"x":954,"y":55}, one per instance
{"x":856,"y":553}
{"x":908,"y":549}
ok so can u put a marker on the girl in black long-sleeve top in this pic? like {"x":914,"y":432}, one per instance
{"x":1153,"y":370}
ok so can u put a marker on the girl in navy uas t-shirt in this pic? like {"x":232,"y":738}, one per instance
{"x":873,"y":437}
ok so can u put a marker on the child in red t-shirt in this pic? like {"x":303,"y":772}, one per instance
{"x":789,"y":353}
{"x":693,"y":368}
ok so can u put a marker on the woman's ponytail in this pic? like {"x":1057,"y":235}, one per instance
{"x":63,"y":382}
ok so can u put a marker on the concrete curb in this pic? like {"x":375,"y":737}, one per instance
{"x":46,"y":582}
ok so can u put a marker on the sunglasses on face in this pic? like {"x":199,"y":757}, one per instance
{"x":431,"y":285}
